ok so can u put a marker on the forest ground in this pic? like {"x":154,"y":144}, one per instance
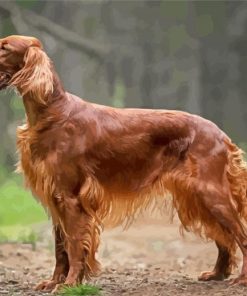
{"x":149,"y":259}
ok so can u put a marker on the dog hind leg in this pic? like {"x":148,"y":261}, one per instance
{"x":225,"y":214}
{"x":223,"y":266}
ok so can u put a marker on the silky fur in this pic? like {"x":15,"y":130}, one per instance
{"x":112,"y":165}
{"x":35,"y":77}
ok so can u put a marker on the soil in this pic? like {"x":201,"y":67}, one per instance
{"x":149,"y":259}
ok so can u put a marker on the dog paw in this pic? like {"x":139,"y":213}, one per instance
{"x":241,"y":280}
{"x":48,"y":285}
{"x":211,"y":276}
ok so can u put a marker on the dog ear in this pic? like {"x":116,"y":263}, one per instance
{"x":35,"y":76}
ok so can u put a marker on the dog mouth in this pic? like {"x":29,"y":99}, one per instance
{"x":4,"y":80}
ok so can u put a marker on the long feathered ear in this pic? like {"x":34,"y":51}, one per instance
{"x":35,"y":77}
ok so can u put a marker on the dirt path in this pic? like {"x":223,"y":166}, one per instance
{"x":148,"y":259}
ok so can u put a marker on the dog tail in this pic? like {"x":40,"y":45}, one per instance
{"x":237,"y":177}
{"x":236,"y":172}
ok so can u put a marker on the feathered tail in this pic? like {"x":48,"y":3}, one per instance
{"x":237,"y":177}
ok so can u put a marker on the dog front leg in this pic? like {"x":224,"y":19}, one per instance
{"x":82,"y":237}
{"x":62,"y":263}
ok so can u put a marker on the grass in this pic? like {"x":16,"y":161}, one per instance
{"x":79,"y":290}
{"x":18,"y":211}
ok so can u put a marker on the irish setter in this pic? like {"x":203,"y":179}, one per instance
{"x":91,"y":165}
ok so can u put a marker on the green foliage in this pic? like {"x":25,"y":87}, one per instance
{"x":3,"y":174}
{"x":17,"y":107}
{"x":3,"y":237}
{"x":20,"y":235}
{"x":18,"y":210}
{"x":17,"y":206}
{"x":79,"y":290}
{"x":28,"y":238}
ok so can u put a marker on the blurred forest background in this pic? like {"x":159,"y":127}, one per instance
{"x":187,"y":55}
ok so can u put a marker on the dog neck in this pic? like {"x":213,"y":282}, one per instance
{"x":35,"y":110}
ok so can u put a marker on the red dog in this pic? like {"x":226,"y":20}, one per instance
{"x":89,"y":163}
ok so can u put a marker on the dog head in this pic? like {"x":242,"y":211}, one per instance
{"x":25,"y":65}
